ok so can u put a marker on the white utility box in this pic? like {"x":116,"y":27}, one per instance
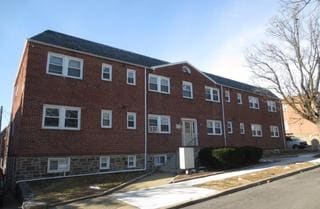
{"x":186,"y":156}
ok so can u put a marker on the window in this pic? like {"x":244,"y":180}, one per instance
{"x":272,"y":107}
{"x":227,"y":95}
{"x":61,"y":117}
{"x":242,"y":129}
{"x":131,"y":77}
{"x":214,"y":127}
{"x":106,"y":72}
{"x":274,"y":130}
{"x":132,"y":160}
{"x":131,"y":120}
{"x":104,"y":162}
{"x":212,"y":94}
{"x":239,"y":98}
{"x":256,"y":130}
{"x":159,"y":124}
{"x":106,"y":119}
{"x":159,"y":84}
{"x":253,"y":102}
{"x":229,"y":127}
{"x":159,"y":160}
{"x":187,"y":90}
{"x":57,"y":165}
{"x":62,"y":65}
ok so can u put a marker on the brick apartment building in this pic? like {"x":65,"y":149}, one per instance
{"x":81,"y":107}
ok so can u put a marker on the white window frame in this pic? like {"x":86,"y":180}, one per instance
{"x":108,"y":162}
{"x":211,"y":94}
{"x":253,"y":100}
{"x":159,"y":78}
{"x":65,"y":63}
{"x":62,"y":117}
{"x":134,"y":161}
{"x":134,"y":118}
{"x":155,"y":157}
{"x":187,"y":83}
{"x":104,"y":65}
{"x":213,"y":126}
{"x":254,"y":130}
{"x":229,"y":127}
{"x":67,"y":169}
{"x":242,"y":128}
{"x":239,"y":98}
{"x":227,"y":95}
{"x":101,"y":120}
{"x":274,"y":133}
{"x":158,"y":130}
{"x":271,"y":106}
{"x":134,"y":76}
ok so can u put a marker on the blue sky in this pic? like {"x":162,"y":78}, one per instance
{"x":210,"y":34}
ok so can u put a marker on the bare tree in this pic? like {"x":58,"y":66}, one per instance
{"x":289,"y":61}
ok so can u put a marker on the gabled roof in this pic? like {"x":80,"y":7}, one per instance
{"x":241,"y":86}
{"x":71,"y":42}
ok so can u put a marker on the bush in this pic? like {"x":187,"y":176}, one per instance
{"x":229,"y":157}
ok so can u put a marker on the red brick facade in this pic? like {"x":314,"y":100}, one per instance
{"x":34,"y":88}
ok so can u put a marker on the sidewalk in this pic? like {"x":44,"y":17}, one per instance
{"x":176,"y":193}
{"x":173,"y":194}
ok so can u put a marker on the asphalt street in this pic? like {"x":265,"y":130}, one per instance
{"x":300,"y":191}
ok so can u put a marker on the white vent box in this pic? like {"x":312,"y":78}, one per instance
{"x":186,"y":156}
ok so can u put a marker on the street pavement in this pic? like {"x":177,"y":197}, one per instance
{"x":173,"y":194}
{"x":295,"y":192}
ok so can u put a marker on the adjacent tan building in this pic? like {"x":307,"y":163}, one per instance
{"x":298,"y":126}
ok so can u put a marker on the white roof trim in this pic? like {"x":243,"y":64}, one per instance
{"x":183,"y":62}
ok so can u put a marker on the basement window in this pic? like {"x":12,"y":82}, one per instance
{"x":58,"y":165}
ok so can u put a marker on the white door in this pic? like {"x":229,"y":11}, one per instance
{"x":189,"y":132}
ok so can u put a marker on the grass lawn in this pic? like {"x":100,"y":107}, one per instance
{"x":253,"y":177}
{"x":58,"y":190}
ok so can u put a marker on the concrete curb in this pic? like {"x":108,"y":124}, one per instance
{"x":114,"y":189}
{"x":240,"y":188}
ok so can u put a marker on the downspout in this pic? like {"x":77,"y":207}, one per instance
{"x":145,"y":119}
{"x":282,"y":126}
{"x":223,"y":118}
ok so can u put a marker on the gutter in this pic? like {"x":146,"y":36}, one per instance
{"x":223,"y":117}
{"x":145,"y":119}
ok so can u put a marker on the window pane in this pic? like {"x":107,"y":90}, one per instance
{"x":52,"y":112}
{"x":71,"y":123}
{"x":106,"y":73}
{"x":53,"y":122}
{"x":164,"y":85}
{"x":55,"y":69}
{"x":208,"y":94}
{"x":130,"y":123}
{"x":72,"y":114}
{"x":153,"y":122}
{"x":74,"y":72}
{"x":74,"y":64}
{"x":164,"y":128}
{"x":106,"y":119}
{"x":53,"y":165}
{"x":130,"y":80}
{"x":56,"y":60}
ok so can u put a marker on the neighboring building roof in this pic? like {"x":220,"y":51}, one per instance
{"x":71,"y":42}
{"x":241,"y":86}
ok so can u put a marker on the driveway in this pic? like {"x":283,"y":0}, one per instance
{"x":296,"y":192}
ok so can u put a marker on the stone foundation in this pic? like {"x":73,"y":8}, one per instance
{"x":27,"y":168}
{"x":36,"y":167}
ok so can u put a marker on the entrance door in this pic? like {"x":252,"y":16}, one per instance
{"x":189,"y":132}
